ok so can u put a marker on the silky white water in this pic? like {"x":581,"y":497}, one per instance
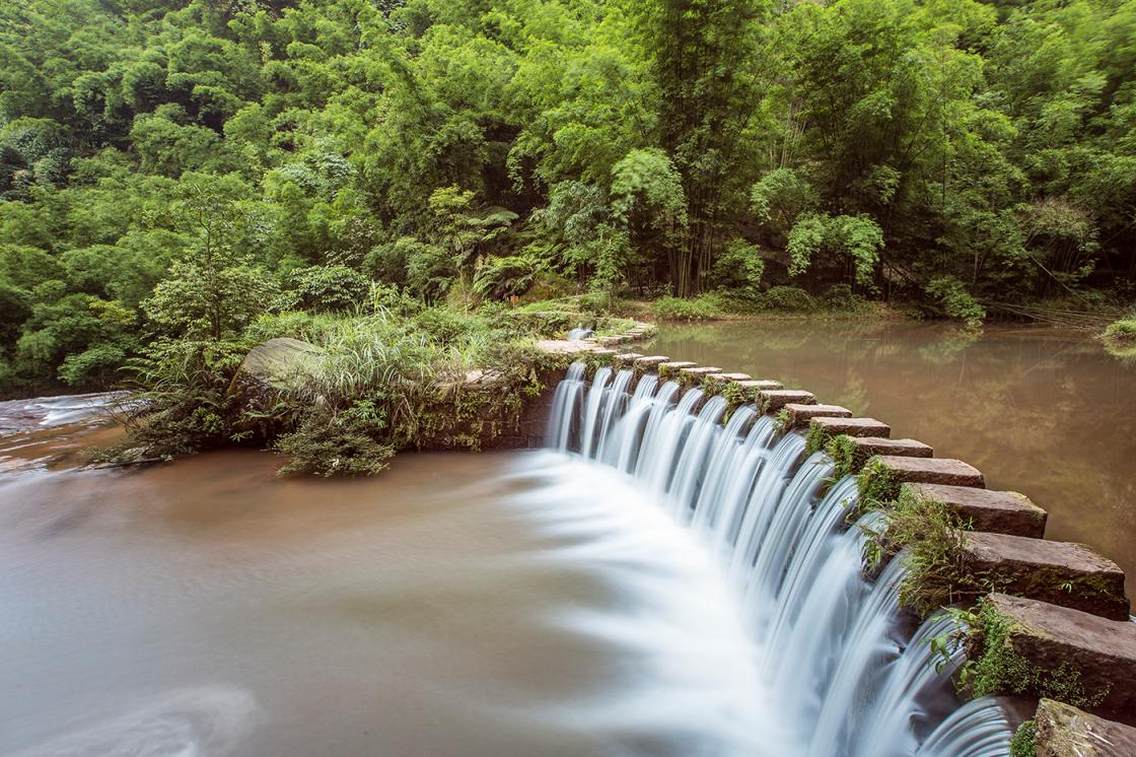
{"x":838,"y":671}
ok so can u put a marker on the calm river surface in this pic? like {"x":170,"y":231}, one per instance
{"x":1040,"y":411}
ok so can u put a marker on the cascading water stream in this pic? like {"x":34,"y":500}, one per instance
{"x":827,"y":640}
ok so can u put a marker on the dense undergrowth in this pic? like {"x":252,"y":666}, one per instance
{"x":390,"y":376}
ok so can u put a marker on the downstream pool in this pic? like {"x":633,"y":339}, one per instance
{"x":1044,"y":412}
{"x":497,"y":604}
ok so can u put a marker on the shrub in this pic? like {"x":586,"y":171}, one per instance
{"x":95,"y":366}
{"x":841,"y":297}
{"x":700,"y":308}
{"x":792,"y":299}
{"x":325,"y":288}
{"x":932,"y":535}
{"x":503,"y":277}
{"x":1121,"y":331}
{"x":430,"y":272}
{"x":948,"y":297}
{"x":739,"y":268}
{"x":1024,"y":741}
{"x":337,"y":443}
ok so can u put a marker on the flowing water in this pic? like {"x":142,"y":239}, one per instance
{"x":843,"y":674}
{"x":1045,"y":412}
{"x":664,"y":581}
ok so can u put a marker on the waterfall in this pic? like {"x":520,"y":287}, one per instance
{"x":828,"y":641}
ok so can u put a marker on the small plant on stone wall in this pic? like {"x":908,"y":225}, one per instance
{"x":876,"y":482}
{"x":996,"y":668}
{"x":1024,"y":742}
{"x":929,"y":537}
{"x":843,"y":451}
{"x":816,"y":439}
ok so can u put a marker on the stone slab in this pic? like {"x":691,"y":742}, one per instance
{"x":1101,"y":653}
{"x":1002,"y":512}
{"x":650,"y":361}
{"x":772,"y":400}
{"x":930,"y":470}
{"x":801,"y":414}
{"x":869,"y":446}
{"x":852,"y":427}
{"x":1061,"y":573}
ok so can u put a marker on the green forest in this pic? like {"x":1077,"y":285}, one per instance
{"x":174,"y":170}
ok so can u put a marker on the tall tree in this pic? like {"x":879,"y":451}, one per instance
{"x":703,"y":49}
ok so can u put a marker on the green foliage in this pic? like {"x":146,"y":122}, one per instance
{"x":855,"y":241}
{"x":504,"y":277}
{"x":949,"y":297}
{"x":325,"y":288}
{"x":455,"y":151}
{"x":788,"y":299}
{"x":738,"y":268}
{"x":1121,"y":331}
{"x":780,"y":197}
{"x":1024,"y":741}
{"x":932,"y":536}
{"x":705,"y":307}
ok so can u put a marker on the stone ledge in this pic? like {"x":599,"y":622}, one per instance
{"x":856,"y":451}
{"x":1058,"y":640}
{"x":851,"y":427}
{"x":650,"y":361}
{"x":750,"y":389}
{"x":772,"y":400}
{"x":801,"y":414}
{"x":670,"y":368}
{"x":930,"y":470}
{"x":695,"y":373}
{"x":1000,"y":512}
{"x":1061,"y":573}
{"x":727,"y":377}
{"x":1064,"y":730}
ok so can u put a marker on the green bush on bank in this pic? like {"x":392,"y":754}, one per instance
{"x":382,"y":382}
{"x":1122,"y":331}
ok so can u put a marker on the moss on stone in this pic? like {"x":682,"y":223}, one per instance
{"x":1024,"y":741}
{"x":996,"y":668}
{"x":817,"y":439}
{"x":876,"y":482}
{"x":842,"y":449}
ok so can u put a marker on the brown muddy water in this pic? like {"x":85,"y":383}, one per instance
{"x":1044,"y":412}
{"x":495,"y":604}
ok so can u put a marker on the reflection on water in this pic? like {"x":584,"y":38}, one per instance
{"x":498,"y":604}
{"x":1045,"y":412}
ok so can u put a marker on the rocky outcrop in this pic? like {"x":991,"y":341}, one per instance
{"x":282,"y":363}
{"x":1062,"y":730}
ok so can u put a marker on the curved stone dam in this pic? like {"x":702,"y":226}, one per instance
{"x":841,"y":672}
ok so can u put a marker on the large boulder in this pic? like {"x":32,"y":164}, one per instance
{"x":279,"y":364}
